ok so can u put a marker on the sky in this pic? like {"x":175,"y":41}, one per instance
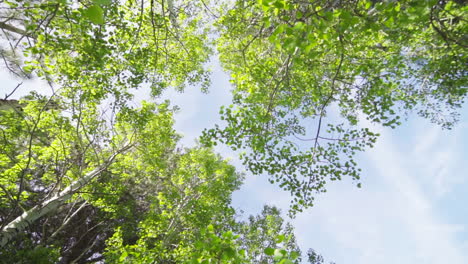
{"x":412,"y":204}
{"x":411,"y":207}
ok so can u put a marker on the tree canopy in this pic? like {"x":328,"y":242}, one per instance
{"x":88,"y":174}
{"x":295,"y":64}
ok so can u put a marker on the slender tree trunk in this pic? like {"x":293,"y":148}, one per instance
{"x":18,"y":225}
{"x":14,"y":29}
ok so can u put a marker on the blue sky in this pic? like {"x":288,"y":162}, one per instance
{"x":411,"y":209}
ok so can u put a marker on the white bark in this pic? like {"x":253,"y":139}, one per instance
{"x":172,"y":14}
{"x":14,"y":29}
{"x":23,"y":221}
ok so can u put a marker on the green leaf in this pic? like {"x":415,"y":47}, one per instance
{"x":210,"y":228}
{"x":123,"y":256}
{"x":368,"y":5}
{"x":279,"y":4}
{"x":279,"y":238}
{"x":95,"y":14}
{"x":102,"y":2}
{"x":294,"y":255}
{"x":397,"y":7}
{"x":269,"y":251}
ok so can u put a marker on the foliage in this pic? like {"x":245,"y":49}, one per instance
{"x":182,"y":197}
{"x":267,"y":231}
{"x":152,"y":203}
{"x":305,"y":75}
{"x":103,"y":48}
{"x":305,"y":72}
{"x":315,"y":258}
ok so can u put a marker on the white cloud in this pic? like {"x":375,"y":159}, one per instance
{"x":390,"y":220}
{"x":438,"y":154}
{"x":426,"y":139}
{"x":433,"y":240}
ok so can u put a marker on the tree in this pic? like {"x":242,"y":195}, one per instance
{"x":315,"y":258}
{"x":95,"y":52}
{"x":266,"y":230}
{"x":104,"y":48}
{"x":306,"y":72}
{"x":151,"y":202}
{"x":87,"y":176}
{"x":152,"y":194}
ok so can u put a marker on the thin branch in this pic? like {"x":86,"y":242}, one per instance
{"x":68,"y":219}
{"x":14,"y":90}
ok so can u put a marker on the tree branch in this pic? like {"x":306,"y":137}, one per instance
{"x":14,"y":29}
{"x":10,"y":231}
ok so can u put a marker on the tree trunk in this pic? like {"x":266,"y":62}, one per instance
{"x":18,"y":225}
{"x":14,"y":29}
